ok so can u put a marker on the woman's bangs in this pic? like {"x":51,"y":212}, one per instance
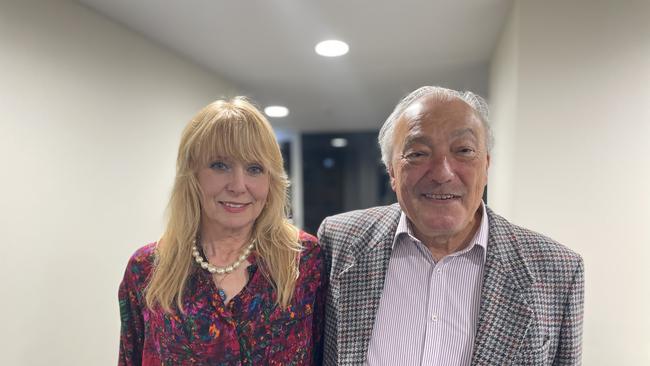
{"x":233,"y":139}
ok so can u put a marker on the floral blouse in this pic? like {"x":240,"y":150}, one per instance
{"x":250,"y":330}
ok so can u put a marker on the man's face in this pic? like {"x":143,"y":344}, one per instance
{"x":439,"y":167}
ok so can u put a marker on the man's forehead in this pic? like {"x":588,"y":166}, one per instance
{"x":419,"y":135}
{"x":431,"y":106}
{"x":415,"y":110}
{"x":457,"y":115}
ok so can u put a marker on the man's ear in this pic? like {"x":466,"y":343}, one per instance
{"x":391,"y":174}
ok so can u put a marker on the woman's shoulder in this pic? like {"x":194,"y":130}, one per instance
{"x":144,"y":255}
{"x":307,"y":240}
{"x":311,"y":251}
{"x":309,"y":243}
{"x":141,"y":263}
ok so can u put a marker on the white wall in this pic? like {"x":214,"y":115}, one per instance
{"x":503,"y":114}
{"x":579,"y":154}
{"x":90,"y":118}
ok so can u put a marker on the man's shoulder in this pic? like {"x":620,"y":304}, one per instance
{"x":361,"y":221}
{"x":536,"y":248}
{"x":370,"y":222}
{"x":366,"y":216}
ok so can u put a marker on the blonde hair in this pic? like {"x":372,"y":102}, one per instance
{"x":234,"y":129}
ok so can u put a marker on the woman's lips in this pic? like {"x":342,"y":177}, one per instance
{"x":234,"y":207}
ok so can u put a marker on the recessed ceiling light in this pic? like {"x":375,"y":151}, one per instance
{"x":332,"y":48}
{"x":276,"y":111}
{"x":339,"y":142}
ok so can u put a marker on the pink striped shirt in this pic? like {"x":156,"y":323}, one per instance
{"x":428,"y":311}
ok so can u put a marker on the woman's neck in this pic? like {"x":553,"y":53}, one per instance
{"x":223,"y":246}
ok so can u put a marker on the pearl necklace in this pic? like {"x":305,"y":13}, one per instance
{"x":220,"y":270}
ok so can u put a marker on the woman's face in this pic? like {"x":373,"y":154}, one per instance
{"x":234,"y":194}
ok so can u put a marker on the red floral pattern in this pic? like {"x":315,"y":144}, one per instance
{"x":250,"y":330}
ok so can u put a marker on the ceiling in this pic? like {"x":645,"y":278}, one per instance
{"x":266,"y":48}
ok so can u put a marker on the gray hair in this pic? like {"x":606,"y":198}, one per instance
{"x":477,"y":103}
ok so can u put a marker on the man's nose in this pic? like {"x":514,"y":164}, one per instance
{"x":440,"y":169}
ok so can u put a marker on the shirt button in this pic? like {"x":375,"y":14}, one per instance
{"x":434,"y":318}
{"x":439,"y":270}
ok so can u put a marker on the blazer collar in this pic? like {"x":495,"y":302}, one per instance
{"x":361,"y":275}
{"x":505,"y":314}
{"x":377,"y":235}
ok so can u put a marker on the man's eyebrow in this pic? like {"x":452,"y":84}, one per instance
{"x":464,"y":131}
{"x":414,"y":139}
{"x":420,"y":138}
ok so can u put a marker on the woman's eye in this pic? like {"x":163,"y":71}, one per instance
{"x":255,"y":170}
{"x":219,"y":165}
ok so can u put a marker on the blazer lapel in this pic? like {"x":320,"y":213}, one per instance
{"x":505,"y":314}
{"x":361,"y":285}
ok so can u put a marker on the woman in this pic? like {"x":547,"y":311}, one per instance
{"x":231,"y":281}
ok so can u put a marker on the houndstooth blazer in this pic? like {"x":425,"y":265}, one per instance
{"x":531,"y":301}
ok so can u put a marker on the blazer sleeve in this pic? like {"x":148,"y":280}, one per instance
{"x":325,"y":243}
{"x":132,"y":323}
{"x":569,"y":350}
{"x":322,"y":228}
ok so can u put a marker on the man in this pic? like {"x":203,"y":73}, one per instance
{"x":440,"y":279}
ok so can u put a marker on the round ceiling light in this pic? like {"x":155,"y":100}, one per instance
{"x":339,"y":142}
{"x":332,"y":48}
{"x":276,"y":111}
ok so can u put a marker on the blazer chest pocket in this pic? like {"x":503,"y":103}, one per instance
{"x":534,"y":356}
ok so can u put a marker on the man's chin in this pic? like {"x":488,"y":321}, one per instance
{"x":447,"y":226}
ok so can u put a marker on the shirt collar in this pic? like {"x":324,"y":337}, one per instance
{"x":480,"y":237}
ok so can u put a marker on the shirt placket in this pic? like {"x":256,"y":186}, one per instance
{"x":435,"y":310}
